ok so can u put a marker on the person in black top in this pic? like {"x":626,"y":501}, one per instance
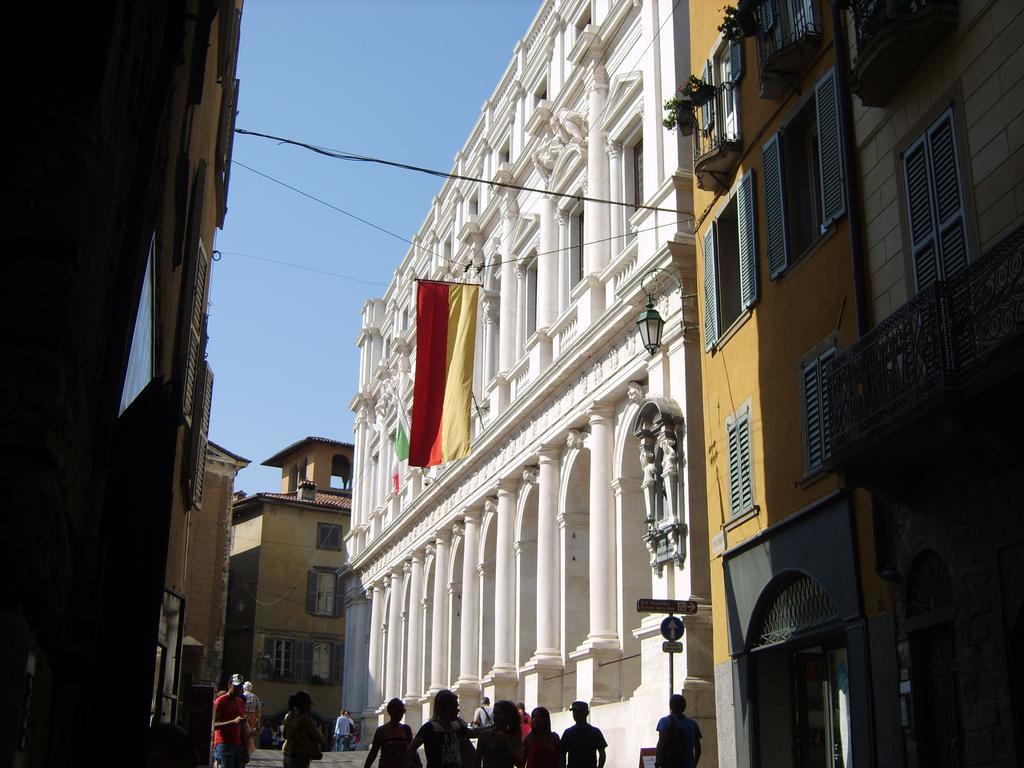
{"x":445,"y":737}
{"x":582,"y":744}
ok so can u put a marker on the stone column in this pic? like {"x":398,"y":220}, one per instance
{"x":603,"y":588}
{"x":509,"y":296}
{"x":468,"y":684}
{"x":616,"y":212}
{"x":596,"y":215}
{"x":373,"y":683}
{"x":393,"y":677}
{"x":547,"y":556}
{"x":439,"y":623}
{"x":414,"y":647}
{"x":547,"y":265}
{"x":563,"y":261}
{"x":503,"y":676}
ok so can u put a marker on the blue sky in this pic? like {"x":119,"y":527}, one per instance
{"x":399,"y":80}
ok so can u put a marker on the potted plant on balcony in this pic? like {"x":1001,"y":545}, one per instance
{"x":680,"y":113}
{"x":699,"y":92}
{"x":738,"y":22}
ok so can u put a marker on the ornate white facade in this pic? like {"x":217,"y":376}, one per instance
{"x":515,"y":572}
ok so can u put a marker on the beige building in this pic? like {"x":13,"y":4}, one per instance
{"x":209,"y":535}
{"x":285,"y":619}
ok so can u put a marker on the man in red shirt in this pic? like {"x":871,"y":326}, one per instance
{"x":228,"y":715}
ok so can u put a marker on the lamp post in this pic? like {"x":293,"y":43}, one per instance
{"x":650,"y":322}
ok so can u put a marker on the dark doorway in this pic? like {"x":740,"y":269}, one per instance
{"x":936,"y":698}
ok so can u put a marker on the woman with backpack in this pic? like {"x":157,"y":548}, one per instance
{"x":392,"y":739}
{"x":303,"y":741}
{"x":445,"y":737}
{"x":500,"y":746}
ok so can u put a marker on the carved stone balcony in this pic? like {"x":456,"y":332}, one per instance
{"x":893,"y":38}
{"x":943,"y":349}
{"x":716,"y":140}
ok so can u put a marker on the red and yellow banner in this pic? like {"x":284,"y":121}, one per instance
{"x":443,"y":391}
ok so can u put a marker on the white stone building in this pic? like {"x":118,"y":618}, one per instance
{"x":515,"y":573}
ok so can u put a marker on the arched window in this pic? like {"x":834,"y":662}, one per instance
{"x":929,"y":587}
{"x":341,"y":473}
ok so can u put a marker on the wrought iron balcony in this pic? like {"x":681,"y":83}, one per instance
{"x":716,"y":139}
{"x":931,"y":351}
{"x":893,"y":37}
{"x":789,"y":35}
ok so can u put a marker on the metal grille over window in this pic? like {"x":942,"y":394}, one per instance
{"x":929,"y":585}
{"x":799,"y":606}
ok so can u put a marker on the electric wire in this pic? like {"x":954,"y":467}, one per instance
{"x":341,"y":155}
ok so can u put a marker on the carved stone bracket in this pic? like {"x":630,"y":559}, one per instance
{"x":576,"y":439}
{"x":530,"y":475}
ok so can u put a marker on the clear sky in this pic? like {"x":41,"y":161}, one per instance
{"x":394,"y":79}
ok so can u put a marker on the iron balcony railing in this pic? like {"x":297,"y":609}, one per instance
{"x":717,"y":127}
{"x":938,"y":341}
{"x":783,"y":23}
{"x":870,"y":17}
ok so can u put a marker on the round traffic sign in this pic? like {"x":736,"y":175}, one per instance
{"x":672,"y":628}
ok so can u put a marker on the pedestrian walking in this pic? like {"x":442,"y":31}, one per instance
{"x":582,"y":744}
{"x":302,"y":739}
{"x":524,"y":718}
{"x":484,"y":715}
{"x":253,"y":715}
{"x":445,"y":737}
{"x":678,"y":737}
{"x":392,"y":739}
{"x":542,"y":747}
{"x":342,"y":731}
{"x":501,"y":745}
{"x":228,"y":717}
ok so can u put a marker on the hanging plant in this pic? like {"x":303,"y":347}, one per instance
{"x":699,"y":92}
{"x":737,"y":22}
{"x":680,"y":113}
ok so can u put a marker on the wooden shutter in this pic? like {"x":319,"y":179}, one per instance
{"x":338,"y":597}
{"x":311,"y":591}
{"x":337,"y":655}
{"x":775,"y":224}
{"x":200,"y":432}
{"x":830,"y":151}
{"x":816,"y":413}
{"x":736,"y":60}
{"x":949,"y":200}
{"x":710,"y":289}
{"x":193,"y":301}
{"x":747,"y":240}
{"x":707,"y":111}
{"x":302,"y":660}
{"x":746,"y":464}
{"x":919,"y":209}
{"x":734,"y":468}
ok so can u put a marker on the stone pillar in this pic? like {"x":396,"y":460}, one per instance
{"x":603,"y":588}
{"x":373,"y":683}
{"x":468,"y":684}
{"x":503,"y":677}
{"x":563,"y":261}
{"x":393,"y":677}
{"x":509,"y":297}
{"x":547,"y":265}
{"x":414,"y":647}
{"x":439,"y":623}
{"x":541,"y":682}
{"x":616,"y":212}
{"x":596,"y":215}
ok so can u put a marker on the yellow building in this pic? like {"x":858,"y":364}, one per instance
{"x":285,"y":620}
{"x":859,"y":198}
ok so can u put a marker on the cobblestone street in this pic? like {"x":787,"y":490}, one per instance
{"x":271,"y":758}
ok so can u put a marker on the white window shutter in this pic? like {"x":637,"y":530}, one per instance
{"x":830,"y":152}
{"x":775,"y":206}
{"x":710,"y":289}
{"x":745,"y":211}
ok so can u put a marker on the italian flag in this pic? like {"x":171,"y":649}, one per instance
{"x":401,"y":446}
{"x":443,"y":391}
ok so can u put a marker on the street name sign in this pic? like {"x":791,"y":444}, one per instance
{"x":650,"y":605}
{"x":672,"y":628}
{"x":672,"y":647}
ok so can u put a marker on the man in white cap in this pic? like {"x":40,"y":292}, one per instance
{"x":228,"y":716}
{"x":253,"y":715}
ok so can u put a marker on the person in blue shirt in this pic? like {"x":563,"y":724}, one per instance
{"x":678,"y":737}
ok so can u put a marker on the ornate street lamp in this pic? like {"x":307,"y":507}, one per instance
{"x":649,"y":322}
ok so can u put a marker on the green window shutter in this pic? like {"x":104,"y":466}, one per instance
{"x":336,"y":659}
{"x":200,"y":432}
{"x":775,"y":207}
{"x":816,"y":411}
{"x":339,"y":602}
{"x":830,"y":154}
{"x":949,"y":200}
{"x":736,"y":59}
{"x":919,"y":209}
{"x":710,"y":289}
{"x":734,"y":468}
{"x":707,"y":111}
{"x":311,"y":591}
{"x":745,"y":211}
{"x":746,"y":464}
